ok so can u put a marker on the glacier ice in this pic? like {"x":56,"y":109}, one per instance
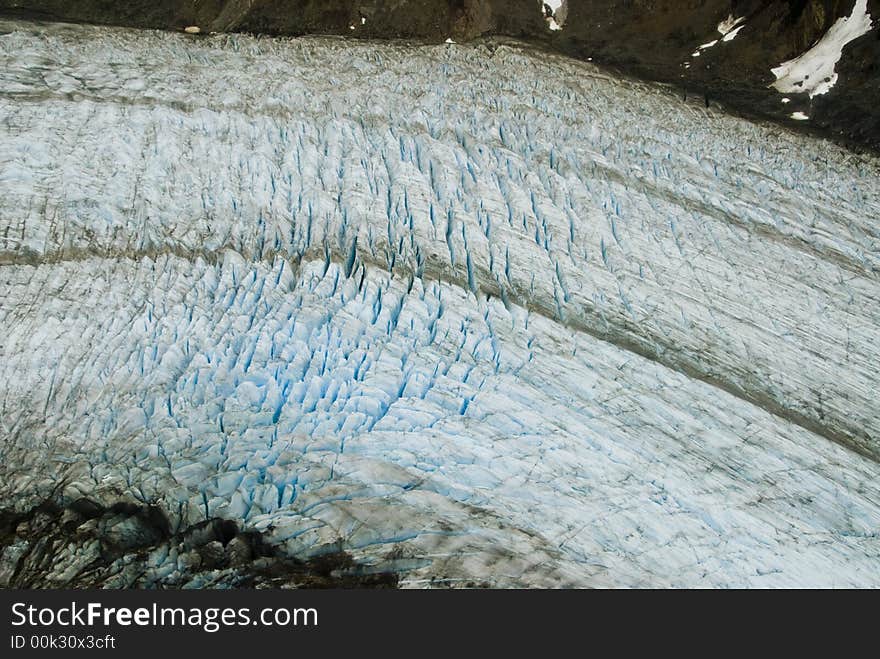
{"x":464,"y":313}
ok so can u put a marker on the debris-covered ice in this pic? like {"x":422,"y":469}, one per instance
{"x":464,"y":314}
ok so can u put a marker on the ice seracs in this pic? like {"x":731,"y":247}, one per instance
{"x":813,"y":72}
{"x":503,"y":320}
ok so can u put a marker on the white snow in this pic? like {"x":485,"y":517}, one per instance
{"x":728,"y":29}
{"x":558,"y":9}
{"x":730,"y":36}
{"x":813,"y":72}
{"x":730,"y":24}
{"x":507,"y":318}
{"x":799,"y":116}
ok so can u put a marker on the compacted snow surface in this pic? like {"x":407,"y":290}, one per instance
{"x":814,"y":72}
{"x":469,"y":314}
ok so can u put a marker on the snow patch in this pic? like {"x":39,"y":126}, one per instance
{"x":555,"y":13}
{"x":728,"y":29}
{"x":813,"y":72}
{"x":730,"y":36}
{"x":730,"y":24}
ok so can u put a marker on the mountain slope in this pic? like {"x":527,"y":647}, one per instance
{"x":652,"y":39}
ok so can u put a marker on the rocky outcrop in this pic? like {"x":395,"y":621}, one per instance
{"x":84,"y":544}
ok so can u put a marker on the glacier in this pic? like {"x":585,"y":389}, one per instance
{"x":471,"y":314}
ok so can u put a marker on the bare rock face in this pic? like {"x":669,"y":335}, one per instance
{"x":423,"y":19}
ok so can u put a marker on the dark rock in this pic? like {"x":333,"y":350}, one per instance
{"x":112,"y":548}
{"x":86,"y":508}
{"x":213,"y":555}
{"x":239,"y":551}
